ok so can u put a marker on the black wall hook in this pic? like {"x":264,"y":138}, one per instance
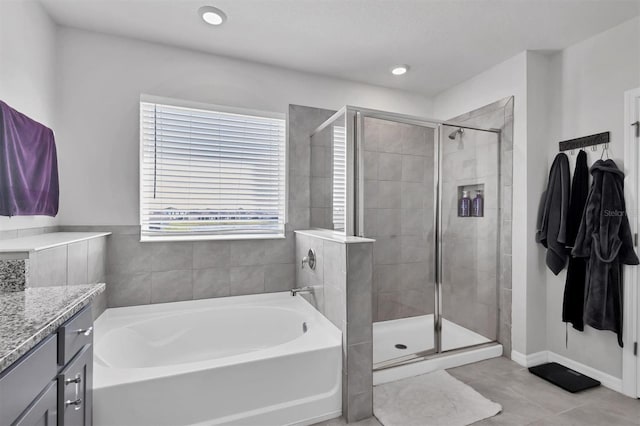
{"x":577,"y":143}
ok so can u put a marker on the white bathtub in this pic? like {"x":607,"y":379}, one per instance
{"x":237,"y":360}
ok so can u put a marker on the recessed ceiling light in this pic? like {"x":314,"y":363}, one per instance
{"x":400,"y":69}
{"x":212,"y":15}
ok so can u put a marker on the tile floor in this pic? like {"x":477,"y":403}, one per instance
{"x":529,"y":400}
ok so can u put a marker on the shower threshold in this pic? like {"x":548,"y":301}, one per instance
{"x":398,"y":340}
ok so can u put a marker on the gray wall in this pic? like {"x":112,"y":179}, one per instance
{"x":28,"y":77}
{"x":477,"y":251}
{"x":577,"y":107}
{"x":398,"y":202}
{"x":342,"y":281}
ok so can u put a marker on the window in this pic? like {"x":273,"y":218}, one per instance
{"x":339,"y":190}
{"x":210,"y":174}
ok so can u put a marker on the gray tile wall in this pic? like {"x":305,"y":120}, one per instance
{"x":477,"y":251}
{"x":302,"y":121}
{"x":359,"y":371}
{"x":143,"y":273}
{"x":79,"y":263}
{"x":321,"y":178}
{"x":83,"y":262}
{"x":342,"y":282}
{"x":398,"y":197}
{"x":69,"y":264}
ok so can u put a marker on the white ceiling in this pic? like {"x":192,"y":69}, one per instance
{"x":444,"y":42}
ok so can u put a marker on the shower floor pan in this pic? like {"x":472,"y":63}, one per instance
{"x":403,"y":337}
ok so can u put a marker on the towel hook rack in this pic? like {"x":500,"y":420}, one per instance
{"x":585,"y":141}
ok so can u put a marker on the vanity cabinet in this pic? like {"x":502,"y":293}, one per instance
{"x":75,"y":390}
{"x":52,"y":383}
{"x":43,"y":411}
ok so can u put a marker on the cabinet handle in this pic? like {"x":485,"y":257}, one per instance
{"x":77,"y":403}
{"x":85,"y":331}
{"x":77,"y":379}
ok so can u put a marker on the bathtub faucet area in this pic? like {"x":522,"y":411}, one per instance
{"x":305,"y":289}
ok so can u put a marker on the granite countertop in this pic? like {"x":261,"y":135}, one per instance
{"x":27,"y":317}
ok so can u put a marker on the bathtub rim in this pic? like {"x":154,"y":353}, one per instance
{"x":323,"y":336}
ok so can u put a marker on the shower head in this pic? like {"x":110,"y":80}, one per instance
{"x":454,"y":134}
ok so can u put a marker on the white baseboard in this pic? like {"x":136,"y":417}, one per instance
{"x":530,"y":360}
{"x":607,"y":380}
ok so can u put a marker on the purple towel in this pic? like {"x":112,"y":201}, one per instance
{"x":28,"y":166}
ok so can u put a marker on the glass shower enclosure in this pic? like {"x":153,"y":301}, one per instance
{"x":428,"y":193}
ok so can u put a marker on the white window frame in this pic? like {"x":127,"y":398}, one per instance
{"x":144,"y":98}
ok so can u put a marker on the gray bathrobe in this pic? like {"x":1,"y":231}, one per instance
{"x":553,"y":213}
{"x":604,"y":237}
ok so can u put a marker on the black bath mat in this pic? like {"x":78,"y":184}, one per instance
{"x":566,"y":378}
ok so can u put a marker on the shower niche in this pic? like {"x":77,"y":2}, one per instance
{"x":471,"y":200}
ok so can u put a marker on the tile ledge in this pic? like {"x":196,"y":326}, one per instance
{"x":327,"y":234}
{"x":34,"y":243}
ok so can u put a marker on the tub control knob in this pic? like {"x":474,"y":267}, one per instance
{"x":310,"y":259}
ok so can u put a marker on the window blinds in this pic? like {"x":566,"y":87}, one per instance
{"x":339,"y":191}
{"x":210,"y":174}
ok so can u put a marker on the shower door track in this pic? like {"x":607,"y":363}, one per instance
{"x":427,"y":355}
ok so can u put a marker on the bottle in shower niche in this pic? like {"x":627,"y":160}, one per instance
{"x":477,"y":205}
{"x":464,"y":205}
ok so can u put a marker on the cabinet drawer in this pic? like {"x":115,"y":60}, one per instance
{"x":75,"y":390}
{"x":24,"y":381}
{"x":43,"y":411}
{"x":74,"y":334}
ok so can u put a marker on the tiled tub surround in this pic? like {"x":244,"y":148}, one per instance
{"x":342,"y":281}
{"x":398,"y":214}
{"x":477,"y":279}
{"x":14,"y":272}
{"x":27,"y":317}
{"x":59,"y":259}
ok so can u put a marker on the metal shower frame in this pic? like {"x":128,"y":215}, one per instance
{"x":354,"y":215}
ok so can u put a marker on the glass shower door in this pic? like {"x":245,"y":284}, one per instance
{"x":469,"y":237}
{"x":396,"y":177}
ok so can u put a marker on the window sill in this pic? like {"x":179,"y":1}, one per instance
{"x":187,"y":238}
